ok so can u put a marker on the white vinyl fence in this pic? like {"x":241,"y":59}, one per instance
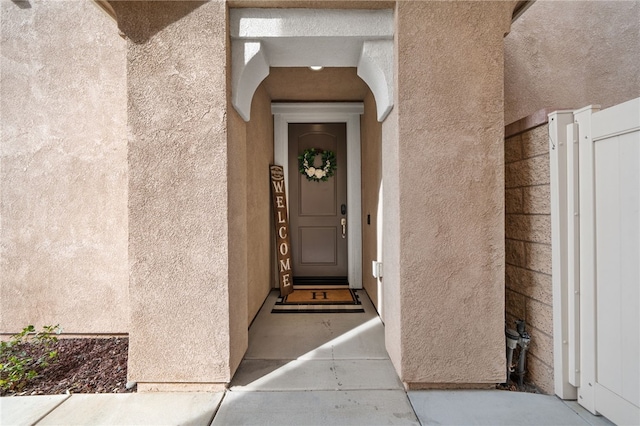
{"x":595,"y":214}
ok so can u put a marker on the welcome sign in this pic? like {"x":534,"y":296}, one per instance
{"x":283,"y":245}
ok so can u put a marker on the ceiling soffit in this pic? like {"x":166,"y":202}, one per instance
{"x":264,"y":38}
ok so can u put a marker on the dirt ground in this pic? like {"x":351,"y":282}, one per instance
{"x":87,"y":365}
{"x":98,"y":365}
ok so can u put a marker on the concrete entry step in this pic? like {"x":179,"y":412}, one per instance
{"x":314,"y":375}
{"x":372,"y":407}
{"x":316,"y":336}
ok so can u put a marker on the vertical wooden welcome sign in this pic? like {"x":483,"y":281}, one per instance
{"x":283,"y":245}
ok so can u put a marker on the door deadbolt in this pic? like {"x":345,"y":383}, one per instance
{"x":343,"y":209}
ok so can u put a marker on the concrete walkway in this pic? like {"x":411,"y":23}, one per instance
{"x":304,"y":369}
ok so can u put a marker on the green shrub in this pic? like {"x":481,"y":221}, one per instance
{"x":17,"y":366}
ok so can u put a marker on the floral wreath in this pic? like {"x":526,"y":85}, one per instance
{"x":306,"y":165}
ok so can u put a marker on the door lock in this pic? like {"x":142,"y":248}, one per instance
{"x":343,"y":209}
{"x":343,"y":222}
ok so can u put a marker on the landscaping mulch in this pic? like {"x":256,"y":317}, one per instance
{"x":99,"y":365}
{"x":84,"y":365}
{"x":513,"y":386}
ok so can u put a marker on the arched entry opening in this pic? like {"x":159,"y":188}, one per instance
{"x":291,"y":95}
{"x":192,"y":181}
{"x":264,"y":38}
{"x":271,"y":75}
{"x":272,"y":50}
{"x":278,"y":98}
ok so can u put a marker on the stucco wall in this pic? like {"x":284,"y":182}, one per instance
{"x":188,"y":303}
{"x":63,"y":177}
{"x":238,"y":260}
{"x":371,"y":135}
{"x":303,"y":84}
{"x":528,"y":248}
{"x":442,"y":163}
{"x":567,"y":54}
{"x":450,"y":238}
{"x":391,"y":295}
{"x":260,"y":276}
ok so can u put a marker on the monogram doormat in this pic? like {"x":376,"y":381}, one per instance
{"x":319,"y":300}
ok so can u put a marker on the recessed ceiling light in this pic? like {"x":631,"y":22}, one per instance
{"x":316,"y":67}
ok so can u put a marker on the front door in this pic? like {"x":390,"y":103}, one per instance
{"x":318,"y":209}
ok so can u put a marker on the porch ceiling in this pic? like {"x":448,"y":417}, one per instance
{"x":303,"y":84}
{"x":264,"y":38}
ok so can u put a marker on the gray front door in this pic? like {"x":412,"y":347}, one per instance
{"x":318,"y":210}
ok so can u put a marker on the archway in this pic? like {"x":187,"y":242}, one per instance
{"x":264,"y":38}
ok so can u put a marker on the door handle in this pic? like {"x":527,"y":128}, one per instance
{"x":343,"y":222}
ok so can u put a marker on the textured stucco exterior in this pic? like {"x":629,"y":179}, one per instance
{"x":63,"y":174}
{"x":567,"y":54}
{"x":303,"y":84}
{"x":371,"y":131}
{"x":238,"y":234}
{"x":182,"y":214}
{"x":450,"y":154}
{"x":260,"y":275}
{"x":528,"y":247}
{"x":195,"y":213}
{"x":391,"y":296}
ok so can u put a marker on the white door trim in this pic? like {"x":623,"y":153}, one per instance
{"x":349,"y":113}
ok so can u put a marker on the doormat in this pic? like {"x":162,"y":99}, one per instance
{"x":319,"y":300}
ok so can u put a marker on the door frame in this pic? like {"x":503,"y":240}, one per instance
{"x":339,"y":112}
